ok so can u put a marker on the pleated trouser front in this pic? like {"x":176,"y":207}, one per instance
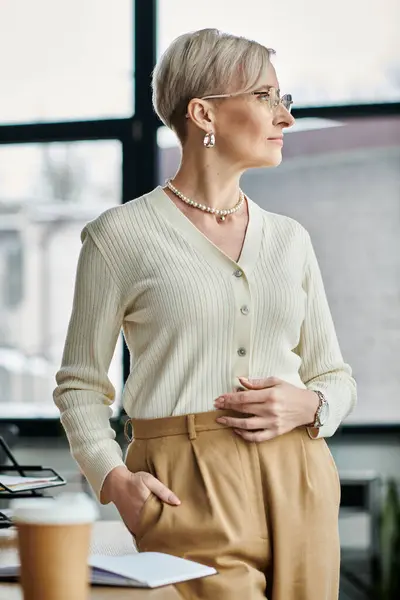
{"x":265,"y":515}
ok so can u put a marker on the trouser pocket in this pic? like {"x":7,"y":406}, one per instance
{"x":149,"y":510}
{"x":136,"y":460}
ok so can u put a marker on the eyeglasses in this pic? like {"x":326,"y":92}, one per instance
{"x":272,"y":97}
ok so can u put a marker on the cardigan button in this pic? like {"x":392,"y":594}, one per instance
{"x":242,"y":351}
{"x":245,"y":310}
{"x":238,"y":273}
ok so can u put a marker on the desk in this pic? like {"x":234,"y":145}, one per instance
{"x":109,"y":537}
{"x":12,"y":591}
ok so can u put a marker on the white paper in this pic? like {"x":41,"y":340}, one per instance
{"x":24,"y":483}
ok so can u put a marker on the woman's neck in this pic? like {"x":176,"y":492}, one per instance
{"x":207,"y":184}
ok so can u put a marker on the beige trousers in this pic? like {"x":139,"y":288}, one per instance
{"x":265,"y":515}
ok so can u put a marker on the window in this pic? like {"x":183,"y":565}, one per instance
{"x":340,"y":177}
{"x":341,"y":180}
{"x":48,"y":192}
{"x":65,"y":60}
{"x":332,"y":54}
{"x":11,"y":268}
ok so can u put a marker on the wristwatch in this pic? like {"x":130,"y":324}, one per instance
{"x":322,"y":413}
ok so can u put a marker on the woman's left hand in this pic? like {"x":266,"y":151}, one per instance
{"x":277,"y":406}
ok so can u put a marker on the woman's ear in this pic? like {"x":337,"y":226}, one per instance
{"x":201,"y":113}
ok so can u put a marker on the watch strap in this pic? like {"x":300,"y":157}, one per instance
{"x":322,"y":401}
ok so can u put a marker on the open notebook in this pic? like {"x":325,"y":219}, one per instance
{"x":146,"y":570}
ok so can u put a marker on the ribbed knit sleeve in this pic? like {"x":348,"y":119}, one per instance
{"x":84,"y":392}
{"x":322,"y":366}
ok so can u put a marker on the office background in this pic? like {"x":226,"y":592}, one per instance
{"x":78,"y":135}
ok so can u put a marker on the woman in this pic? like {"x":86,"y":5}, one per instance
{"x":211,"y":290}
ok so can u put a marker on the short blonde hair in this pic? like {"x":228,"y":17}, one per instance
{"x":202,"y":63}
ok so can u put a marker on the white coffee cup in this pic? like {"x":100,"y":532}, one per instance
{"x":54,"y":540}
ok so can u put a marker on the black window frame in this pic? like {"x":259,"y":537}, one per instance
{"x":138,"y":137}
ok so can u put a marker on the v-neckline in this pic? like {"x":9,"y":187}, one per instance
{"x":160,"y":200}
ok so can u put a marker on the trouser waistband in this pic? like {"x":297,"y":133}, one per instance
{"x":191,"y":424}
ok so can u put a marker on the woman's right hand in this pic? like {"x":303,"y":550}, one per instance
{"x":129,"y":491}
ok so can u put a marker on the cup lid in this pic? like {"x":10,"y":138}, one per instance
{"x":66,"y":508}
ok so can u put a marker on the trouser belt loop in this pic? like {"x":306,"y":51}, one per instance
{"x":191,"y":427}
{"x":128,"y":437}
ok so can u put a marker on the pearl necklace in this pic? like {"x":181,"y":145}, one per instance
{"x":221,"y":213}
